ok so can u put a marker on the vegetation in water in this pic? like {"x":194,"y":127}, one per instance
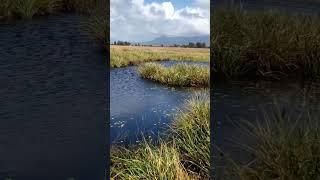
{"x":284,"y":148}
{"x":98,"y":26}
{"x":265,"y":44}
{"x":184,"y":154}
{"x":182,"y":75}
{"x":122,"y":56}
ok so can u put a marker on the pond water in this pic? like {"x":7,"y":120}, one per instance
{"x":249,"y":100}
{"x":53,"y":100}
{"x":140,"y":106}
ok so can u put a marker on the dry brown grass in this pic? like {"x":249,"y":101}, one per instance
{"x":131,"y":55}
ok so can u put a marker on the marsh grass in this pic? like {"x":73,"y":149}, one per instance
{"x":85,"y":6}
{"x":148,"y":162}
{"x":98,"y":28}
{"x":286,"y":148}
{"x":184,"y":154}
{"x":122,"y":56}
{"x":265,"y":44}
{"x":29,"y":8}
{"x":182,"y":75}
{"x":191,"y":134}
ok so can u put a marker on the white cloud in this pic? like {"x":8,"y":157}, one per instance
{"x":135,"y":20}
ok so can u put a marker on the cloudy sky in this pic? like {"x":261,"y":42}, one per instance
{"x":144,"y":20}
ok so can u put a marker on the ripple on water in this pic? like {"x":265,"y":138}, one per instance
{"x":146,"y":106}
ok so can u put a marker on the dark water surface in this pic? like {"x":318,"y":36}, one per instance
{"x":249,"y":100}
{"x":53,"y":100}
{"x":141,"y":106}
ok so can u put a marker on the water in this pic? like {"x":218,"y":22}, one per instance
{"x":141,"y":106}
{"x":249,"y":100}
{"x":53,"y":100}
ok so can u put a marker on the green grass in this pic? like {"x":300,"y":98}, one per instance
{"x":184,"y":154}
{"x":191,"y":134}
{"x":122,"y":56}
{"x":98,"y":27}
{"x":265,"y":44}
{"x":182,"y":75}
{"x":147,"y":162}
{"x":30,"y":8}
{"x":285,"y":149}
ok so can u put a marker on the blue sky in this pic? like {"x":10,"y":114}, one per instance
{"x":176,"y":3}
{"x":144,"y":20}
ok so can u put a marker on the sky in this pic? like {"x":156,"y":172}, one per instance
{"x":144,"y":20}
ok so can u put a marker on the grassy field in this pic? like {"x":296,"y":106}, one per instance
{"x":28,"y":8}
{"x":285,"y":148}
{"x":183,"y":155}
{"x":265,"y":44}
{"x":181,"y":75}
{"x":122,"y":56}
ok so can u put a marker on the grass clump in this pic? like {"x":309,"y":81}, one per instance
{"x":122,"y":56}
{"x":284,"y":149}
{"x":182,"y":75}
{"x":191,"y":133}
{"x":185,"y":154}
{"x":265,"y":44}
{"x":148,"y":162}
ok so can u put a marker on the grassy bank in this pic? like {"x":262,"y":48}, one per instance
{"x":184,"y":154}
{"x":265,"y":44}
{"x":285,"y":148}
{"x":122,"y":56}
{"x":29,"y":8}
{"x":182,"y":75}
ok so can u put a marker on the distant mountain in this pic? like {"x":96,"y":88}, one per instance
{"x":180,"y":40}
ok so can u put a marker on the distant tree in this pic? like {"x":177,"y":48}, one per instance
{"x":115,"y":43}
{"x":191,"y":45}
{"x":161,"y":45}
{"x":198,"y":45}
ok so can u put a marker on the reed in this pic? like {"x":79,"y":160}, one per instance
{"x":284,"y":148}
{"x":181,"y":75}
{"x":184,"y":154}
{"x":265,"y":44}
{"x":122,"y":56}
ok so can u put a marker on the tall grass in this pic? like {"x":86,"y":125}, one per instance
{"x":284,"y":148}
{"x":265,"y":44}
{"x":122,"y":56}
{"x":191,"y":133}
{"x":182,"y":75}
{"x":148,"y":162}
{"x":30,"y":8}
{"x":184,"y":154}
{"x":84,"y":6}
{"x":98,"y":27}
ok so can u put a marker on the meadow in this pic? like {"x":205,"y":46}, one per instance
{"x":183,"y":154}
{"x":181,"y":75}
{"x":265,"y":44}
{"x":122,"y":56}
